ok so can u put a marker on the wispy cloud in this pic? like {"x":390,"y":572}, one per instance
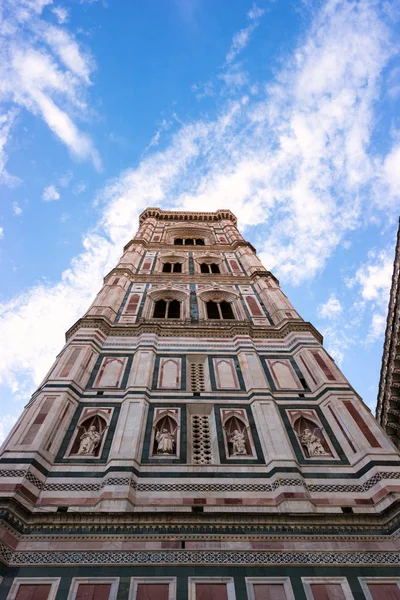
{"x":44,"y":70}
{"x":1,"y":232}
{"x":242,"y":37}
{"x":6,"y":123}
{"x":17,"y":210}
{"x":61,"y":14}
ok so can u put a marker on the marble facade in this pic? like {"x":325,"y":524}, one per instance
{"x":194,"y":439}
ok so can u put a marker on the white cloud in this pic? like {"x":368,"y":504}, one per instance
{"x":61,"y":14}
{"x":242,"y":37}
{"x":17,"y":210}
{"x":294,"y":163}
{"x":377,"y":327}
{"x":374,"y":277}
{"x":50,"y":193}
{"x":44,"y":70}
{"x":6,"y":122}
{"x":373,"y":280}
{"x":331,"y":309}
{"x":6,"y":423}
{"x":1,"y":233}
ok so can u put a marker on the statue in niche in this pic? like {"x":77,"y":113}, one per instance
{"x":89,"y":441}
{"x":237,"y":437}
{"x":312,"y":443}
{"x":165,"y":436}
{"x":165,"y":442}
{"x":238,"y":443}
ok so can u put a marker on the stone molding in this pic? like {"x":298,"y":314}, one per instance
{"x":196,"y":557}
{"x":198,"y":330}
{"x":187,"y":217}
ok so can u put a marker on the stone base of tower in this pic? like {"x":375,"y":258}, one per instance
{"x":223,"y":555}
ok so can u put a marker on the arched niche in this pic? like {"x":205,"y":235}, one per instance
{"x":237,"y":439}
{"x":165,"y":435}
{"x":311,"y":438}
{"x":89,"y":436}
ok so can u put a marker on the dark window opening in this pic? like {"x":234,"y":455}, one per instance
{"x":214,"y":268}
{"x":199,"y":242}
{"x":174,"y":309}
{"x":178,"y":242}
{"x":204,"y":268}
{"x":212,"y":310}
{"x":167,"y":268}
{"x":226,"y":310}
{"x":177,"y":268}
{"x":160,"y":309}
{"x":167,"y":309}
{"x":189,"y":242}
{"x":219,"y":310}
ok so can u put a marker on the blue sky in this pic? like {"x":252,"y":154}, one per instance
{"x":286,"y":112}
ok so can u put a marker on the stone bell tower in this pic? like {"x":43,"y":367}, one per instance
{"x":194,"y":439}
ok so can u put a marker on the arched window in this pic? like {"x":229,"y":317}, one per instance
{"x":174,"y":309}
{"x":177,"y":268}
{"x":226,"y":310}
{"x":172,"y":268}
{"x":189,"y":242}
{"x":167,"y":268}
{"x":167,"y":309}
{"x":219,"y":310}
{"x":212,"y":268}
{"x":160,"y":309}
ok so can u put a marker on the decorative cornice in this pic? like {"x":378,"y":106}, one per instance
{"x":185,"y":277}
{"x":182,"y":216}
{"x":186,"y":328}
{"x":208,"y":248}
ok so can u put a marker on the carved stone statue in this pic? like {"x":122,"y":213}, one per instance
{"x":238,"y":442}
{"x":313,"y":443}
{"x":89,"y":441}
{"x":165,"y":442}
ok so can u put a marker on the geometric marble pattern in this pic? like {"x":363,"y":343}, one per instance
{"x":196,"y":557}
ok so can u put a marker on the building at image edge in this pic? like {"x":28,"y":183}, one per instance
{"x":193,"y":439}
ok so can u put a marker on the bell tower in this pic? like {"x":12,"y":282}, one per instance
{"x":194,"y":439}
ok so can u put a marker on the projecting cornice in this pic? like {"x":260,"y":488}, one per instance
{"x":178,"y":215}
{"x":196,"y":278}
{"x":188,"y":328}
